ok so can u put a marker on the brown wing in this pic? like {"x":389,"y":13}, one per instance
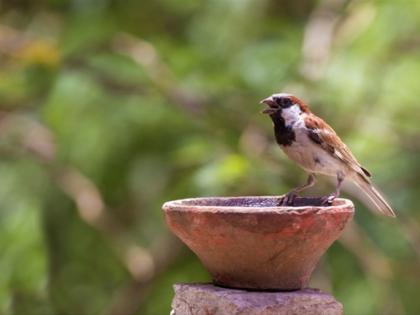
{"x":322,"y":134}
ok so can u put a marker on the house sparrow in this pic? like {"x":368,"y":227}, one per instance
{"x":314,"y":145}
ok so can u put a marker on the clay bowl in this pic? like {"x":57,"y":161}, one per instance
{"x":251,"y":243}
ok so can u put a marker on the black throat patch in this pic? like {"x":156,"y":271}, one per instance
{"x":284,"y":135}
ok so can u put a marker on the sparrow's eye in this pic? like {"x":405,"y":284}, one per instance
{"x":284,"y":102}
{"x":287,"y":102}
{"x":277,"y":100}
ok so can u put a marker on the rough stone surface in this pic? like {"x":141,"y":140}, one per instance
{"x":252,"y":243}
{"x":207,"y":299}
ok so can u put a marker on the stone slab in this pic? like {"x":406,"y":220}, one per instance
{"x":208,"y":299}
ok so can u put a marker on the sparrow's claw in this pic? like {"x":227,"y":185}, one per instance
{"x":288,"y":199}
{"x":328,"y":200}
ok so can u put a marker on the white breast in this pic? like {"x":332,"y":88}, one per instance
{"x":293,"y":117}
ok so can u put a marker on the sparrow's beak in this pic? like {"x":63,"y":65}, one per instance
{"x":272,"y":106}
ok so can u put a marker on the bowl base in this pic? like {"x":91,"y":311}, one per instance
{"x":254,"y":289}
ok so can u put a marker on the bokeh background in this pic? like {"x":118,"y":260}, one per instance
{"x":109,"y":108}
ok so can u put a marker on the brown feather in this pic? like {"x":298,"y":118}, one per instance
{"x":375,"y":196}
{"x":303,"y":107}
{"x":322,"y":134}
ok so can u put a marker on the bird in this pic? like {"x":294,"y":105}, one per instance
{"x":311,"y":143}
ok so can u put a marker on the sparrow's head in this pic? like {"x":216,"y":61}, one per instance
{"x":282,"y":101}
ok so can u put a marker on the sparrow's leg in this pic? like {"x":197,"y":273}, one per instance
{"x":327,"y":200}
{"x":309,"y":183}
{"x":291,"y":195}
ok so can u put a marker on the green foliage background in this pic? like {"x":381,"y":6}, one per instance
{"x":109,"y":108}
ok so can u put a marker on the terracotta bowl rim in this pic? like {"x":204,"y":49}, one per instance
{"x":340,"y":205}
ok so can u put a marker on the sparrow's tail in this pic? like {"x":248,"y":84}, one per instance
{"x":374,"y":195}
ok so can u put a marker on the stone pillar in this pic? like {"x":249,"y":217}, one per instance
{"x":207,"y":299}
